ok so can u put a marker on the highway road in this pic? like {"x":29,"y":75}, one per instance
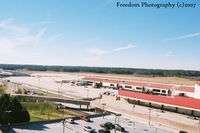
{"x":54,"y":99}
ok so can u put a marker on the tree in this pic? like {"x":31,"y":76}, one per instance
{"x":11,"y":110}
{"x":98,"y":85}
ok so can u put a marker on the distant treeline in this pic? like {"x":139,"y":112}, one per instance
{"x":135,"y":71}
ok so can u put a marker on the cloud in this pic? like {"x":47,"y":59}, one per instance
{"x":124,"y":48}
{"x":96,"y":51}
{"x":55,"y":37}
{"x":185,"y":36}
{"x":17,"y":36}
{"x":20,"y":34}
{"x":6,"y":24}
{"x":39,"y":35}
{"x":170,"y":53}
{"x":6,"y":46}
{"x":29,"y":38}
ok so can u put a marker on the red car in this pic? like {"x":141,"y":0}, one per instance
{"x":85,"y":118}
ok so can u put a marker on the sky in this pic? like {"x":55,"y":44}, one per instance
{"x":98,"y":33}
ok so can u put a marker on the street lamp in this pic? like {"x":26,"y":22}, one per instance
{"x":63,"y":121}
{"x":133,"y":107}
{"x":63,"y":108}
{"x":199,"y":123}
{"x":61,"y":88}
{"x":8,"y":111}
{"x":87,"y":92}
{"x":63,"y":126}
{"x":38,"y":83}
{"x":149,"y":115}
{"x":116,"y":115}
{"x":58,"y":91}
{"x":103,"y":108}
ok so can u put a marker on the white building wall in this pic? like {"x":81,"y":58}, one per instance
{"x":197,"y":91}
{"x":105,"y":84}
{"x":132,"y":87}
{"x":189,"y":94}
{"x":158,"y":92}
{"x":123,"y":86}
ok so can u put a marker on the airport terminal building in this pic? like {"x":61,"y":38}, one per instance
{"x":176,"y":98}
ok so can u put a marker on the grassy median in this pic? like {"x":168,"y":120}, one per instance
{"x":3,"y":89}
{"x":40,"y":111}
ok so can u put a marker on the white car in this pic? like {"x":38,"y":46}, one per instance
{"x":88,"y":129}
{"x":71,"y":121}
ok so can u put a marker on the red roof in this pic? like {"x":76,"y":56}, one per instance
{"x":198,"y":83}
{"x":134,"y":83}
{"x":93,"y":79}
{"x":177,"y":100}
{"x":161,"y":86}
{"x":112,"y":81}
{"x":185,"y":88}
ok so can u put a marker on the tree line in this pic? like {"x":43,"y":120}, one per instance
{"x":107,"y":70}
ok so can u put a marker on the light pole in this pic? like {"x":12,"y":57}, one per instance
{"x":63,"y":126}
{"x":133,"y":107}
{"x":149,"y":115}
{"x":133,"y":124}
{"x":87,"y":92}
{"x":8,"y":111}
{"x":61,"y":88}
{"x":58,"y":91}
{"x":103,"y":108}
{"x":116,"y":115}
{"x":115,"y":121}
{"x":63,"y":121}
{"x":38,"y":82}
{"x":199,"y":123}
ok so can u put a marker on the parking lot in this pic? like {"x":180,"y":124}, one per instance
{"x":130,"y":126}
{"x":50,"y":84}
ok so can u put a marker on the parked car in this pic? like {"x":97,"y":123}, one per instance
{"x":182,"y":131}
{"x":71,"y":121}
{"x":103,"y":131}
{"x":108,"y":125}
{"x":130,"y":123}
{"x":85,"y":118}
{"x":112,"y":94}
{"x":119,"y":128}
{"x":192,"y":117}
{"x":106,"y":93}
{"x":88,"y":129}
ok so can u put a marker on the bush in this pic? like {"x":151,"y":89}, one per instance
{"x":19,"y":91}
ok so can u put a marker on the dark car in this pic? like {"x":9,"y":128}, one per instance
{"x":108,"y":125}
{"x":103,"y":131}
{"x":119,"y":128}
{"x":182,"y":131}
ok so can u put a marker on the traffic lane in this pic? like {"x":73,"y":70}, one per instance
{"x":95,"y":124}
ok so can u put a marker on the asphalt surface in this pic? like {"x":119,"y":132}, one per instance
{"x":129,"y":125}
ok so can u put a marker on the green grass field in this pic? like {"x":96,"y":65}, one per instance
{"x":46,"y":111}
{"x":3,"y":89}
{"x":46,"y":92}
